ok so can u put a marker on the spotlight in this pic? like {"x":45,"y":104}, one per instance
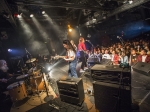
{"x":43,"y":12}
{"x":31,"y":15}
{"x":19,"y":15}
{"x":130,"y":1}
{"x":70,"y":30}
{"x":9,"y":50}
{"x":49,"y":68}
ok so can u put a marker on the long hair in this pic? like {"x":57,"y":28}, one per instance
{"x":81,"y":39}
{"x":70,"y":46}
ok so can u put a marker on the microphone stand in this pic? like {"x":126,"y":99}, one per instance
{"x":48,"y":97}
{"x":92,"y":47}
{"x":121,"y":83}
{"x":28,"y":57}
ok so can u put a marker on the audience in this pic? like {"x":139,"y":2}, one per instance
{"x":133,"y":51}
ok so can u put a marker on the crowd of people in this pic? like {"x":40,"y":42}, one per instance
{"x":128,"y":52}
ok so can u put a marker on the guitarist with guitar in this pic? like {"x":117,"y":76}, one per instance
{"x":71,"y":58}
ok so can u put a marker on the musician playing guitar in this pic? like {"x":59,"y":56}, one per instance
{"x":71,"y":58}
{"x":82,"y":49}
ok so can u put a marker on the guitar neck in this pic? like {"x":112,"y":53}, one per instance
{"x":61,"y":56}
{"x":57,"y":57}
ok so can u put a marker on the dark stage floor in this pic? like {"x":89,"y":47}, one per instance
{"x":140,"y":94}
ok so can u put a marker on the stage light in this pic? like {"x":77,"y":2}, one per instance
{"x":19,"y":15}
{"x":31,"y":15}
{"x":70,"y":30}
{"x":49,"y":68}
{"x":43,"y":12}
{"x":130,"y":1}
{"x":9,"y":50}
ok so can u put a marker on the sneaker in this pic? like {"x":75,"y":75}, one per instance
{"x":81,"y":71}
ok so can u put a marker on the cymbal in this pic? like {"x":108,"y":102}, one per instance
{"x":31,"y":60}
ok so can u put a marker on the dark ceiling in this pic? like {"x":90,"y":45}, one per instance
{"x":74,"y":12}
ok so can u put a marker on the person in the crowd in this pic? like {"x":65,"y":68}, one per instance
{"x":124,"y":60}
{"x":133,"y":57}
{"x":106,"y":55}
{"x":143,"y":57}
{"x":71,"y":58}
{"x":114,"y":58}
{"x":82,"y":49}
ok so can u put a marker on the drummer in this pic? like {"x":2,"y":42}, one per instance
{"x":4,"y":75}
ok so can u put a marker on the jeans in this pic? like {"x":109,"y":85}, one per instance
{"x":83,"y":60}
{"x":72,"y":68}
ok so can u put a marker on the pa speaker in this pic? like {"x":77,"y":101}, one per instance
{"x":71,"y":90}
{"x":112,"y":97}
{"x":111,"y":74}
{"x":143,"y":68}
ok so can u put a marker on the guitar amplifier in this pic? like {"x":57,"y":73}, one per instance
{"x":111,"y":74}
{"x":71,"y":90}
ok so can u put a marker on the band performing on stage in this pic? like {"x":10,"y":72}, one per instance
{"x":33,"y":77}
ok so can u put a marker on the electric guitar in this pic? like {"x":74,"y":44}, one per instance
{"x":58,"y":57}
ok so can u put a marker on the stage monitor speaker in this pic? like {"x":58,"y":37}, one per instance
{"x":106,"y":62}
{"x":143,"y":68}
{"x":111,"y":74}
{"x":107,"y":98}
{"x":71,"y":90}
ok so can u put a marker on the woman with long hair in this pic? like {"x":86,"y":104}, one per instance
{"x":82,"y":50}
{"x":71,"y":58}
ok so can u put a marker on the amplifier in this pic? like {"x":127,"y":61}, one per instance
{"x":111,"y":97}
{"x":110,"y":73}
{"x":71,"y":90}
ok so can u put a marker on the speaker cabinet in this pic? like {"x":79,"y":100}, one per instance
{"x":111,"y":98}
{"x":71,"y":90}
{"x":143,"y":68}
{"x":111,"y":74}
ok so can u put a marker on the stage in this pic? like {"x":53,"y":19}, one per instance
{"x":140,"y":92}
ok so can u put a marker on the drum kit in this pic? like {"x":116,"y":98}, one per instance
{"x":32,"y":82}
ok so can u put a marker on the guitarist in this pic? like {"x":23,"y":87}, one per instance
{"x":82,"y":49}
{"x":71,"y":58}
